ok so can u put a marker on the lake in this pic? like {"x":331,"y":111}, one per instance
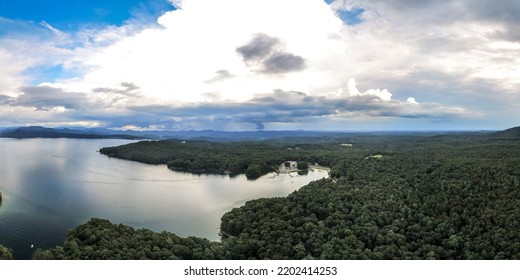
{"x":52,"y":185}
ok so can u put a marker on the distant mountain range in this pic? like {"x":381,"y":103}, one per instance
{"x":210,"y":135}
{"x":101,"y":133}
{"x":43,"y":132}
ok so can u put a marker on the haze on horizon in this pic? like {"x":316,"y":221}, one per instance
{"x":274,"y":65}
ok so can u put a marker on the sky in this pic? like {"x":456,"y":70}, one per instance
{"x":260,"y":64}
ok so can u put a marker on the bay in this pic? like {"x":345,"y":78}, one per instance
{"x":50,"y":186}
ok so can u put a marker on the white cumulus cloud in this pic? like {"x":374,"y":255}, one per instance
{"x":455,"y":58}
{"x":384,"y":94}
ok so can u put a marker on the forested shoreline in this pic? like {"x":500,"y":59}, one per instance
{"x":422,"y":197}
{"x":254,"y":159}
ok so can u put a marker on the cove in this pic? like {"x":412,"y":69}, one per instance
{"x":52,"y":185}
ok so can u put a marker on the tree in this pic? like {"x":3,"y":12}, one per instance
{"x":5,"y":253}
{"x":303,"y":165}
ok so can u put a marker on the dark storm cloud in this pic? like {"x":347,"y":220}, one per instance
{"x":282,"y":63}
{"x":276,"y":107}
{"x":4,"y":99}
{"x":81,"y":107}
{"x":258,"y":48}
{"x":506,"y":13}
{"x":497,"y":11}
{"x":292,"y":107}
{"x":267,"y":53}
{"x":46,"y":98}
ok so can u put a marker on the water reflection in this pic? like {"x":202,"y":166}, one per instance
{"x":51,"y":185}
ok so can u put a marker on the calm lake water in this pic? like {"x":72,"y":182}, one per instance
{"x":52,"y":185}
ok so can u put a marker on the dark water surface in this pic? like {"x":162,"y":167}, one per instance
{"x":52,"y":185}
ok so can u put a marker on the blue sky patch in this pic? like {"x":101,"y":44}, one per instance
{"x":72,"y":15}
{"x":43,"y":74}
{"x":329,"y":2}
{"x":350,"y":17}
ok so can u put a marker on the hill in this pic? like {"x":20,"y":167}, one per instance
{"x":43,"y":132}
{"x":509,"y":134}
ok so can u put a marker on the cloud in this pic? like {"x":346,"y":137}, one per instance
{"x":46,"y":98}
{"x":381,"y":94}
{"x":54,"y":30}
{"x":220,"y":75}
{"x":258,"y":48}
{"x":411,"y":100}
{"x":27,"y":51}
{"x":282,"y":62}
{"x":4,"y":99}
{"x":268,"y":52}
{"x":49,"y":98}
{"x":178,"y":61}
{"x":177,"y":3}
{"x":127,"y":89}
{"x":265,"y":62}
{"x":10,"y":77}
{"x":296,"y":107}
{"x":262,"y":111}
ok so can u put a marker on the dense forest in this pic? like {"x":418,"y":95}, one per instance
{"x":100,"y":239}
{"x":420,"y":201}
{"x":253,"y":159}
{"x":388,"y":197}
